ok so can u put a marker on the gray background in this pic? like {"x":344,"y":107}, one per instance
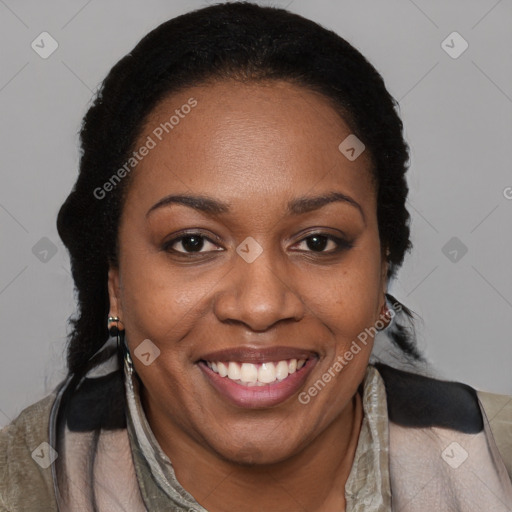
{"x":457,"y":116}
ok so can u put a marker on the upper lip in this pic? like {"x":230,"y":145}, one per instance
{"x":258,"y":355}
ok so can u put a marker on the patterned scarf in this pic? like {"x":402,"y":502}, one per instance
{"x":425,"y":445}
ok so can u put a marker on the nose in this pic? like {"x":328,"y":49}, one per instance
{"x":258,"y":294}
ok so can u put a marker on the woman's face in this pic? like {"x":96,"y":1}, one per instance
{"x":249,"y":244}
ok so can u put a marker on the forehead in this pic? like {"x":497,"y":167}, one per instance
{"x":247,"y":141}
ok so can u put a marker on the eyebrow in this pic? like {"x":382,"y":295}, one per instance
{"x":296,"y":206}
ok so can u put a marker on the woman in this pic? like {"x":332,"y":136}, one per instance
{"x":239,"y":212}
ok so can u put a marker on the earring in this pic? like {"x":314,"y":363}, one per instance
{"x":114,"y":331}
{"x":384,"y":317}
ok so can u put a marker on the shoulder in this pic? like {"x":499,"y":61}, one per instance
{"x":416,"y":400}
{"x":24,"y":457}
{"x":498,"y":410}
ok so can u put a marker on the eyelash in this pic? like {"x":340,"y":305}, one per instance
{"x":342,"y":245}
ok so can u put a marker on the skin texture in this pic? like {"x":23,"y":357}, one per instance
{"x":255,"y":146}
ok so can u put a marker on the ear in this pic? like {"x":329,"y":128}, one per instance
{"x":384,"y":286}
{"x":384,"y":271}
{"x":114,"y":293}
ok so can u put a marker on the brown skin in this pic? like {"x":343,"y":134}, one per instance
{"x":256,"y":147}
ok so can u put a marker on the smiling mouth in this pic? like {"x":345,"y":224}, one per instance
{"x":260,"y":374}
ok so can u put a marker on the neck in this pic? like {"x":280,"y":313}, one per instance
{"x":312,"y":480}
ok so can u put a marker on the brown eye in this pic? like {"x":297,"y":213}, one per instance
{"x":189,"y":244}
{"x":319,"y":242}
{"x":192,"y":243}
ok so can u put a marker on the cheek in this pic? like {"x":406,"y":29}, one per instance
{"x":345,"y":297}
{"x":157,"y":302}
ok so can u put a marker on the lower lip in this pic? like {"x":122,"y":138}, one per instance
{"x":258,"y":396}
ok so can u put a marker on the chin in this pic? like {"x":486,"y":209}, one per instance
{"x":252,"y":453}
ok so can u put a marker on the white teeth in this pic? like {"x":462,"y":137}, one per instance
{"x":267,"y":373}
{"x":248,"y":373}
{"x":282,"y":370}
{"x":251,"y":374}
{"x":234,"y":372}
{"x":223,"y":369}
